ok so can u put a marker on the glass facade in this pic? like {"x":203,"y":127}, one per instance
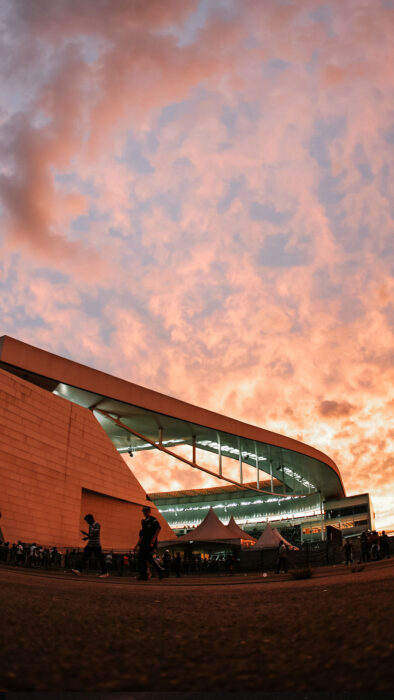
{"x":251,"y":511}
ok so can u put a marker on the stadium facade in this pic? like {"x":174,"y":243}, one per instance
{"x":63,"y":427}
{"x":300,"y":520}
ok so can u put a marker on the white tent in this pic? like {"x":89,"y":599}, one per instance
{"x":210,"y":530}
{"x":237,"y":532}
{"x":270,"y":538}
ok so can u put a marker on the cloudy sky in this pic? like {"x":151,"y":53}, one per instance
{"x":197,"y":196}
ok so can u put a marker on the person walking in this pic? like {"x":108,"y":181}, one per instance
{"x":384,"y":545}
{"x":282,"y":561}
{"x":125,"y":562}
{"x":2,"y":540}
{"x":230,"y":562}
{"x":146,"y":545}
{"x":364,"y":551}
{"x":177,"y":564}
{"x":93,"y":547}
{"x":108,"y":560}
{"x":167,"y":561}
{"x":348,"y":552}
{"x":20,"y":554}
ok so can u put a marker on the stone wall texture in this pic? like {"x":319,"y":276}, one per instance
{"x":57,"y":464}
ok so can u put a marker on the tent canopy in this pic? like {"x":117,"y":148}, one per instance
{"x":237,"y":532}
{"x":211,"y":529}
{"x":270,"y":538}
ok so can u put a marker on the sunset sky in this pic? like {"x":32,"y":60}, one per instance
{"x":197,"y":196}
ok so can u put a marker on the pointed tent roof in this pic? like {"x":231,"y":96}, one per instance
{"x":270,"y":538}
{"x":211,"y":529}
{"x":236,"y":530}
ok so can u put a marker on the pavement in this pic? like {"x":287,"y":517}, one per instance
{"x":331,"y":633}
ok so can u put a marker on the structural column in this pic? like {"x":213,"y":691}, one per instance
{"x":321,"y":516}
{"x":257,"y":466}
{"x":219,"y":453}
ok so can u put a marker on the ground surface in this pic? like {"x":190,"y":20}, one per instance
{"x":333,"y":632}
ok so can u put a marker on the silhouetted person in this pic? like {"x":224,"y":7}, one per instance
{"x":108,"y":560}
{"x":177,"y":564}
{"x":55,"y":557}
{"x":167,"y":561}
{"x":282,"y":561}
{"x":348,"y":552}
{"x":124,"y":563}
{"x":375,"y":554}
{"x":67,"y":559}
{"x":384,"y":545}
{"x":230,"y":563}
{"x":4,"y":549}
{"x":364,"y":556}
{"x":1,"y":534}
{"x":147,"y":543}
{"x":20,"y":554}
{"x":93,"y":547}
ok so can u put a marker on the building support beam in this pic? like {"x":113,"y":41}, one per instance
{"x":219,"y":454}
{"x":321,"y":516}
{"x":241,"y":476}
{"x":156,"y":445}
{"x":257,"y":465}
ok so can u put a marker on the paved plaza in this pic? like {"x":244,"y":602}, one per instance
{"x":332,"y":632}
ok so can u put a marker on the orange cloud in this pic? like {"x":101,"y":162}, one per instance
{"x":178,"y":182}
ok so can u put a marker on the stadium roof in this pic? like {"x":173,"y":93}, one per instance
{"x":138,"y":418}
{"x":208,"y":491}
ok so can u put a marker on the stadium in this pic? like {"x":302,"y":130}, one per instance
{"x":64,"y":427}
{"x":298,"y":519}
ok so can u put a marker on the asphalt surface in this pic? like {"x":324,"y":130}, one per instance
{"x":333,"y":632}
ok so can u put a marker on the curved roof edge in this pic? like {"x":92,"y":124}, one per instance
{"x":18,"y":354}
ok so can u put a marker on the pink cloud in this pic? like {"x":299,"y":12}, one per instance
{"x":239,"y":256}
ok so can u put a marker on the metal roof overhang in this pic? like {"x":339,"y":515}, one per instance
{"x":142,"y":419}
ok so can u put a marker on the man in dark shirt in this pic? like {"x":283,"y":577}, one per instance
{"x":150,"y":528}
{"x":93,"y":547}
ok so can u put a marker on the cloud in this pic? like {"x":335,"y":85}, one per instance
{"x":35,"y":212}
{"x":277,"y":253}
{"x":79,"y":96}
{"x":333,"y":75}
{"x":202,"y":193}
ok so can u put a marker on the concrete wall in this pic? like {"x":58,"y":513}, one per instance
{"x":120,"y":520}
{"x":57,"y":464}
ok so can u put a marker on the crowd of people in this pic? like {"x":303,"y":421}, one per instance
{"x":372,"y":547}
{"x":34,"y":556}
{"x":31,"y":554}
{"x":144,"y":562}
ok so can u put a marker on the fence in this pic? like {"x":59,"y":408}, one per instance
{"x":310,"y":554}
